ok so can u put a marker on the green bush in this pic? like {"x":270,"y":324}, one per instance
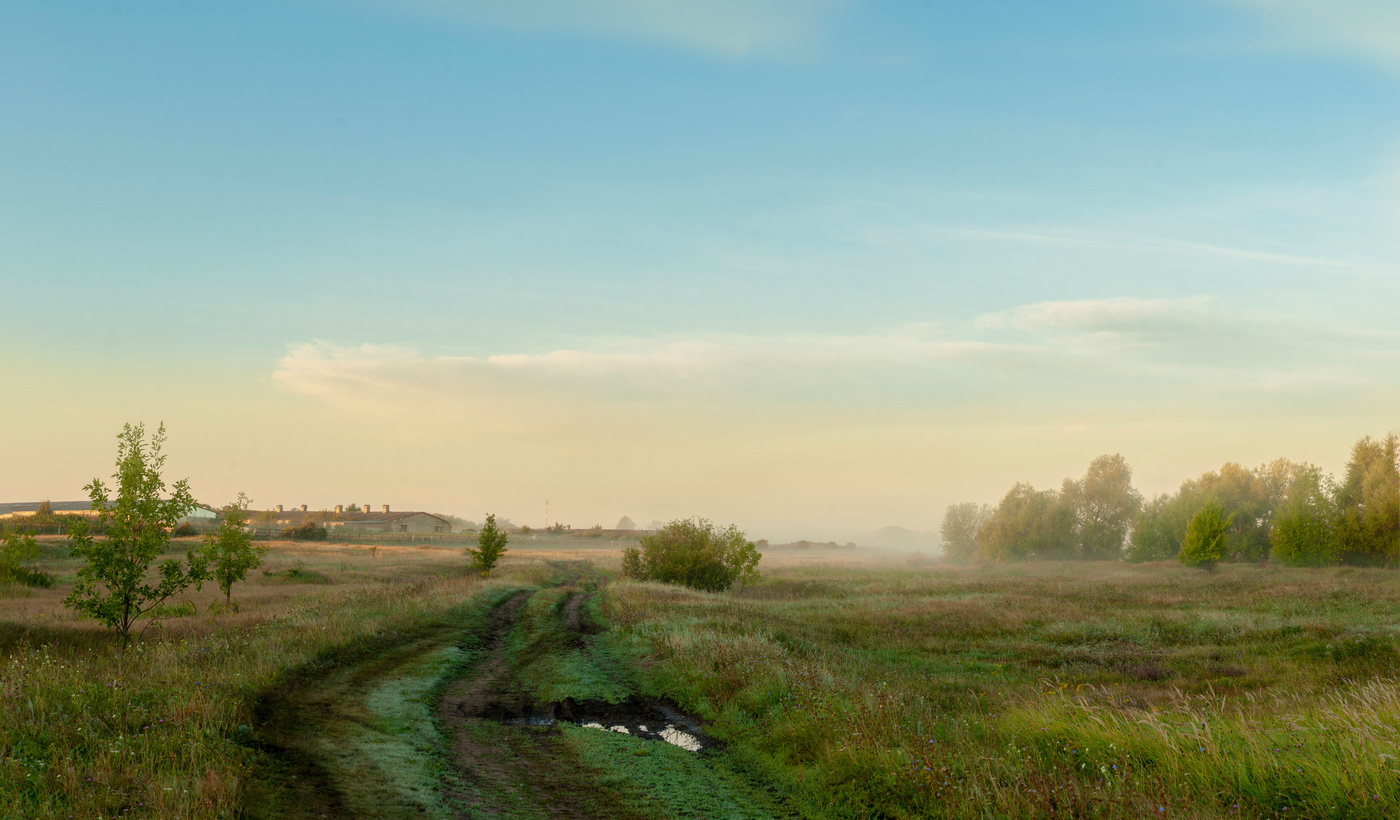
{"x":1204,"y":544}
{"x":695,"y":553}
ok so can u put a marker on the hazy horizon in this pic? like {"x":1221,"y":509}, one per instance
{"x":813,"y":268}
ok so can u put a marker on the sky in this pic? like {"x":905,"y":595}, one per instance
{"x":815,"y":267}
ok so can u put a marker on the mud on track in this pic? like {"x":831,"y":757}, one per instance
{"x":484,"y":716}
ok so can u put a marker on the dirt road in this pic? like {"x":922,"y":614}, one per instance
{"x":521,"y":706}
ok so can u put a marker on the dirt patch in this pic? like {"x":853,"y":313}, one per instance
{"x":467,"y":697}
{"x":573,"y":613}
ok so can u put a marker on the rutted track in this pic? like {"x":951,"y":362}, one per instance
{"x":391,"y":733}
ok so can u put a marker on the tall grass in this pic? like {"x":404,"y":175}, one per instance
{"x":1124,"y":692}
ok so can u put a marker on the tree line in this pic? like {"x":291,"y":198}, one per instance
{"x":1290,"y":512}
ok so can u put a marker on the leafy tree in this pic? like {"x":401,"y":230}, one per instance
{"x":490,"y":546}
{"x":961,"y":523}
{"x":1027,"y":524}
{"x":1154,"y":535}
{"x":1102,"y":504}
{"x":626,"y":523}
{"x":1204,"y":545}
{"x":45,"y":510}
{"x":1368,"y":504}
{"x":693,"y":552}
{"x":1244,"y":500}
{"x":112,"y":586}
{"x":1304,"y":530}
{"x":229,"y":550}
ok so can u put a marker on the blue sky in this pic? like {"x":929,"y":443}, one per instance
{"x":872,"y":257}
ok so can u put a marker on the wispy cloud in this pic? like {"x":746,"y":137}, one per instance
{"x":1092,"y":349}
{"x":1371,"y":27}
{"x":729,"y":27}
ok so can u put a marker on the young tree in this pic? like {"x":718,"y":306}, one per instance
{"x":490,"y":546}
{"x":229,"y":550}
{"x":1204,"y":545}
{"x":112,"y":586}
{"x":961,"y":523}
{"x":626,"y":523}
{"x":693,"y":552}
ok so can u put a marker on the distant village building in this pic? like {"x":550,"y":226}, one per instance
{"x":26,"y":508}
{"x":201,"y":516}
{"x":383,"y":521}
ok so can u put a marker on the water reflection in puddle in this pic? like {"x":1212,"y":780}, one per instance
{"x":644,"y":720}
{"x":671,"y":734}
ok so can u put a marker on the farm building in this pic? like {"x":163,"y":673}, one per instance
{"x":383,"y":521}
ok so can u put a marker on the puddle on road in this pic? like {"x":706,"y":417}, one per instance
{"x":649,"y":720}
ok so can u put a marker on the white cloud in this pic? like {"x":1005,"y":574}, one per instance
{"x":1123,"y":316}
{"x":1370,"y":26}
{"x":1088,"y":349}
{"x":731,"y":27}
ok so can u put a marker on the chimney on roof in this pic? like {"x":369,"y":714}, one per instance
{"x":303,"y":508}
{"x":365,"y":507}
{"x":386,"y":508}
{"x":339,"y":508}
{"x":279,"y":508}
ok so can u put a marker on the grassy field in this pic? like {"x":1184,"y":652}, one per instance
{"x":1052,"y":690}
{"x":838,"y":688}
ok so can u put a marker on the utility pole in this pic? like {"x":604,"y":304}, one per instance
{"x":546,"y":513}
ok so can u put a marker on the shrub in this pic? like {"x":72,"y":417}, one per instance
{"x":15,"y":549}
{"x":693,"y":552}
{"x":1204,"y":544}
{"x":310,"y":531}
{"x":184,"y":531}
{"x":491,"y":545}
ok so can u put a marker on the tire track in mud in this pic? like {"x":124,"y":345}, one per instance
{"x":507,"y":757}
{"x":529,"y":765}
{"x":302,"y":725}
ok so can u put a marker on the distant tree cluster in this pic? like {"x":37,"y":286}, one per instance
{"x":1293,"y":513}
{"x":1088,"y":518}
{"x":1287,"y":511}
